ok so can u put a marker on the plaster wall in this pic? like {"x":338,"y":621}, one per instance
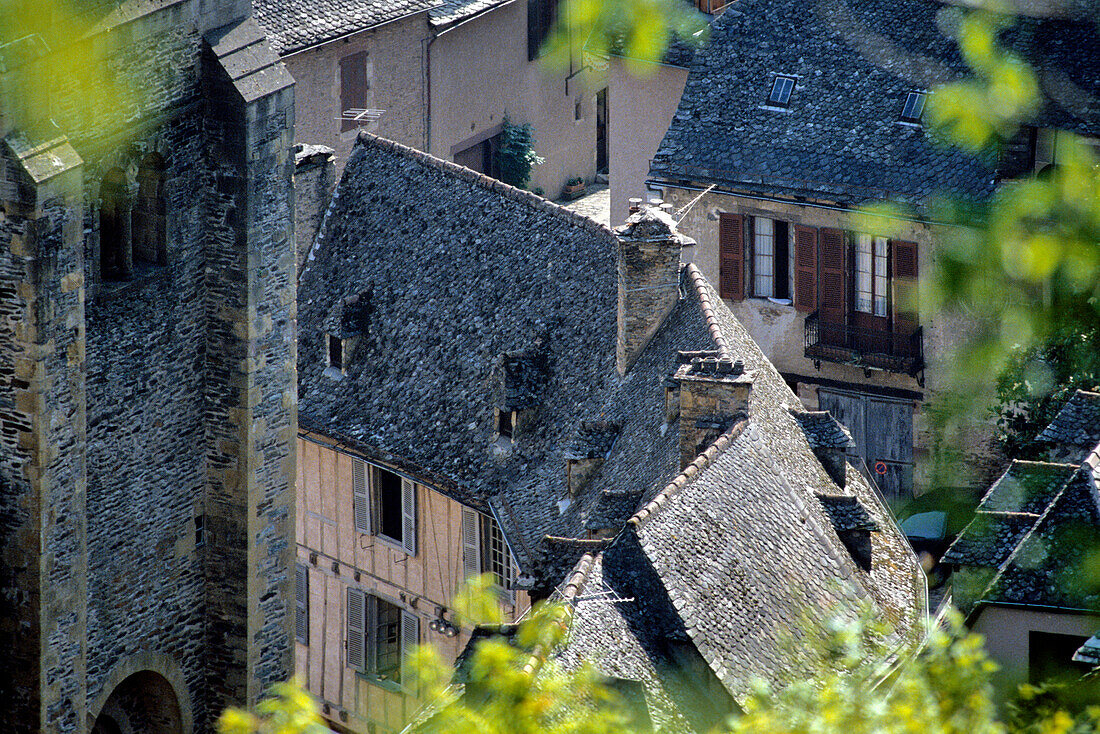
{"x":480,"y":72}
{"x":396,"y":83}
{"x":642,"y":99}
{"x":1006,"y":631}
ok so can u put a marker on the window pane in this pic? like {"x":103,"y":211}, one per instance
{"x":864,"y":272}
{"x":764,"y":256}
{"x":388,"y":495}
{"x":881,"y":282}
{"x":387,"y":640}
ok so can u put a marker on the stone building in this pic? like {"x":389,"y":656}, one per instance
{"x":474,"y":356}
{"x":147,"y":371}
{"x":791,"y":118}
{"x":1023,"y":569}
{"x":443,"y":74}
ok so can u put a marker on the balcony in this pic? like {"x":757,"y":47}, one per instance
{"x":867,"y":348}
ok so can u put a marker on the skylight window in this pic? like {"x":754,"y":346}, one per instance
{"x":781,"y":91}
{"x":914,"y":107}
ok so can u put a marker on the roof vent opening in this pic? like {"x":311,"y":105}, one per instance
{"x":914,"y":107}
{"x":781,"y":91}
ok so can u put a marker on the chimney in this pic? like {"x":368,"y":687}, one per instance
{"x":314,"y":179}
{"x":649,"y":279}
{"x":714,"y":393}
{"x":829,"y":440}
{"x":853,"y":525}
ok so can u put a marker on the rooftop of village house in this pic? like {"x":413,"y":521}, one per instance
{"x":839,"y":132}
{"x":466,"y":275}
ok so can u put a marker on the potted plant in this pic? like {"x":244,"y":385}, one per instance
{"x":574,"y":188}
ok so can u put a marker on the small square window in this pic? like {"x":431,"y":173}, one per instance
{"x":504,"y":423}
{"x":914,"y":107}
{"x":577,"y":114}
{"x":781,"y":91}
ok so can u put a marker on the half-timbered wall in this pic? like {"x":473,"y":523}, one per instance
{"x":336,"y":557}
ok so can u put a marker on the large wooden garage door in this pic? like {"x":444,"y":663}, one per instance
{"x":883,"y":431}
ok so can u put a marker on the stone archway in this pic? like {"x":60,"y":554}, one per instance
{"x":143,"y":703}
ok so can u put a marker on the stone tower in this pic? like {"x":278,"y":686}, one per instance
{"x":147,"y":370}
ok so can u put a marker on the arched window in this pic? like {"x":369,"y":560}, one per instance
{"x":149,"y":209}
{"x":115,"y":256}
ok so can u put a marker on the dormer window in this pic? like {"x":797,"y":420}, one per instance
{"x":505,"y":423}
{"x":781,"y":91}
{"x":335,"y":352}
{"x":913,"y":109}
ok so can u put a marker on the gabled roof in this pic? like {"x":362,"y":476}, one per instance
{"x":294,"y":25}
{"x":840,"y":139}
{"x":449,"y":12}
{"x":466,"y":275}
{"x":1077,"y":423}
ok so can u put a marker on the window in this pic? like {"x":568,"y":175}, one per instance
{"x":710,"y":7}
{"x":504,"y":423}
{"x":871,"y":277}
{"x":149,"y":228}
{"x":335,"y":352}
{"x":913,"y":108}
{"x":379,"y":635}
{"x":354,"y":87}
{"x":540,"y":19}
{"x":485,"y":551}
{"x":301,"y":596}
{"x":384,"y":504}
{"x":771,"y":258}
{"x":481,"y":156}
{"x":115,"y":249}
{"x":781,"y":91}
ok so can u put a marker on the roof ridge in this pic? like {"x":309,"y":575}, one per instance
{"x":700,"y":286}
{"x":692,"y":470}
{"x":1043,"y":464}
{"x":574,"y":583}
{"x":507,"y":191}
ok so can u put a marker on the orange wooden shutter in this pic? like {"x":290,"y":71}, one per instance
{"x":905,"y":286}
{"x":731,"y":256}
{"x":805,"y":268}
{"x":834,"y":284}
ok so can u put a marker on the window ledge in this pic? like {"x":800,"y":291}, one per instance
{"x":774,"y":108}
{"x":384,"y":683}
{"x":334,"y":373}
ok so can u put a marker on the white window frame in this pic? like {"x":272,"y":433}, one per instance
{"x":477,"y":553}
{"x":763,"y":257}
{"x":361,"y":635}
{"x":871,"y":276}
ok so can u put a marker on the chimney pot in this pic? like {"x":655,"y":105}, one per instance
{"x":635,"y":204}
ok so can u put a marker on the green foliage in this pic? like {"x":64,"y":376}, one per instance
{"x":516,"y":154}
{"x":511,"y":683}
{"x":1055,"y":708}
{"x":861,"y":687}
{"x":288,"y":709}
{"x":1037,"y":382}
{"x":638,"y":30}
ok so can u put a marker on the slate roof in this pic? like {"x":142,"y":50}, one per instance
{"x":1077,"y":423}
{"x":293,"y":25}
{"x":823,"y":430}
{"x":465,"y":274}
{"x":846,"y":512}
{"x":840,"y":139}
{"x":1037,"y":527}
{"x":449,"y":12}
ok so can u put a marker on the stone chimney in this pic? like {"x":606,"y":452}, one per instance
{"x":829,"y":440}
{"x":586,"y":453}
{"x":649,"y":279}
{"x":314,"y":179}
{"x":714,"y":394}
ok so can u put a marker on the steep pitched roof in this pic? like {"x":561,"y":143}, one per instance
{"x":1077,"y":423}
{"x":840,"y":138}
{"x":293,"y":25}
{"x":449,"y":12}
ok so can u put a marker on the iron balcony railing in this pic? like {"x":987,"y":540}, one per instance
{"x":890,"y":350}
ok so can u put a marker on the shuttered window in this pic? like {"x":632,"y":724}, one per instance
{"x":354,"y":85}
{"x":871,"y":275}
{"x":384,"y":504}
{"x":905,"y":286}
{"x":731,"y":256}
{"x":833,"y":291}
{"x":763,"y":257}
{"x":471,"y":543}
{"x":301,"y":598}
{"x":805,"y":268}
{"x":356,"y":626}
{"x":380,"y":635}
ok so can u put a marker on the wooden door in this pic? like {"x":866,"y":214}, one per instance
{"x":882,"y":429}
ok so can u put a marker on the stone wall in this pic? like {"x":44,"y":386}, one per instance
{"x":147,"y":426}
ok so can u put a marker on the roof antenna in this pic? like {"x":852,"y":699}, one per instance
{"x":683,"y":212}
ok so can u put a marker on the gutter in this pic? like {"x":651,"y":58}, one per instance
{"x":983,"y":603}
{"x":658,"y":183}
